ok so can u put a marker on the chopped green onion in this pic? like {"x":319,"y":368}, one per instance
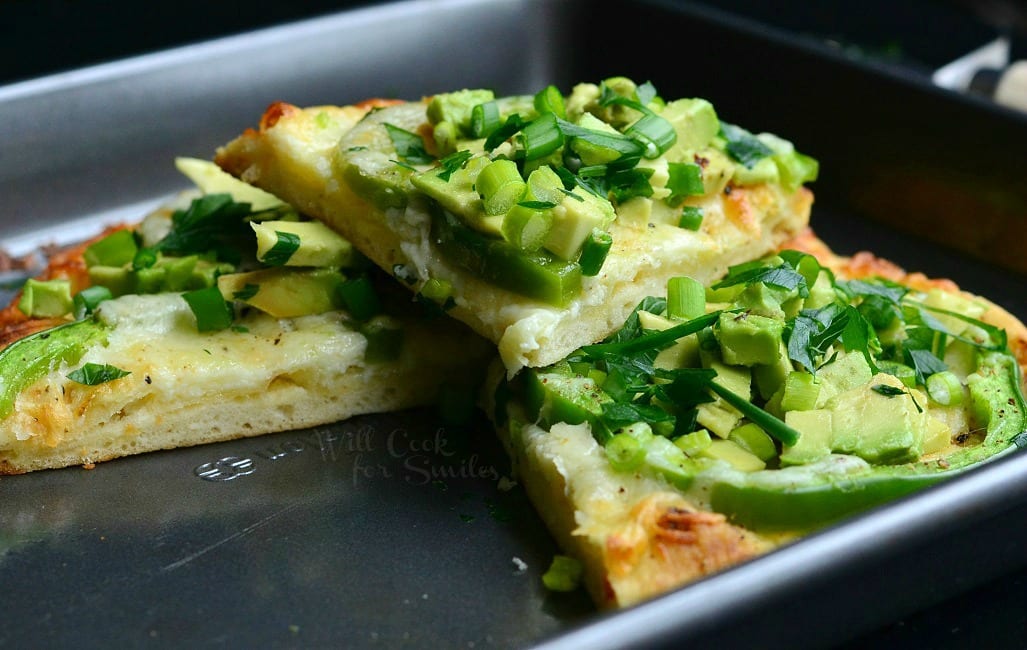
{"x":545,"y":185}
{"x":625,"y":146}
{"x":594,"y":251}
{"x":691,"y":218}
{"x":655,"y":132}
{"x":625,"y":452}
{"x":485,"y":119}
{"x":500,"y":185}
{"x":801,"y":391}
{"x":86,"y":301}
{"x":564,"y":574}
{"x":686,"y":298}
{"x":358,"y":298}
{"x":685,"y":179}
{"x":541,"y":137}
{"x":437,"y":290}
{"x":93,"y":374}
{"x":901,"y":371}
{"x":144,"y":259}
{"x":526,"y":227}
{"x":211,"y":309}
{"x":550,"y":100}
{"x":116,"y":249}
{"x":694,"y":443}
{"x":743,"y":146}
{"x":945,"y":388}
{"x":754,"y":440}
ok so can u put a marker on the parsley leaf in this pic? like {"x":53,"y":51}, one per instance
{"x":93,"y":374}
{"x":286,"y":245}
{"x":453,"y":162}
{"x":408,"y":145}
{"x":743,"y":146}
{"x":213,"y":222}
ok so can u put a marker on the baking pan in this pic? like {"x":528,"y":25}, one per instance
{"x":395,"y":530}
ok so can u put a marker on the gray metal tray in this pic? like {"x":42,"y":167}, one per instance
{"x":393,"y":530}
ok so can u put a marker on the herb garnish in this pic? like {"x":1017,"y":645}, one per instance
{"x":93,"y":374}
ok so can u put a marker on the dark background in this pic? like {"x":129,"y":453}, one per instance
{"x":39,"y":37}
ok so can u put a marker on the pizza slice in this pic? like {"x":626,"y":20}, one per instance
{"x":221,"y":315}
{"x":540,"y":221}
{"x":719,"y":423}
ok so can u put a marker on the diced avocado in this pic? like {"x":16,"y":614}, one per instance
{"x":816,"y":430}
{"x":749,"y":339}
{"x":878,"y":427}
{"x":718,"y":416}
{"x":455,"y":107}
{"x":46,"y":298}
{"x":118,"y":279}
{"x":284,"y":292}
{"x":319,"y":245}
{"x":761,"y":299}
{"x":848,"y":370}
{"x":736,"y":456}
{"x":937,"y":437}
{"x":770,"y":377}
{"x":684,"y":353}
{"x":545,"y":185}
{"x":211,"y":179}
{"x":553,"y":397}
{"x":573,"y":221}
{"x":821,"y":293}
{"x":26,"y":360}
{"x":590,"y":152}
{"x":793,"y":168}
{"x":696,"y":124}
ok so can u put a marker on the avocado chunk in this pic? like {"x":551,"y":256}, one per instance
{"x":749,"y":339}
{"x":301,"y":243}
{"x":45,"y":298}
{"x":815,"y":429}
{"x":574,"y":219}
{"x":880,"y":427}
{"x":285,"y":292}
{"x":27,"y":360}
{"x":696,"y":124}
{"x":211,"y":179}
{"x":456,"y":107}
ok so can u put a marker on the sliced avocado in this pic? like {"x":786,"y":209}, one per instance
{"x":458,"y":195}
{"x":211,"y":179}
{"x":318,"y":244}
{"x":733,"y":453}
{"x":285,"y":292}
{"x":591,"y":153}
{"x":27,"y":360}
{"x":848,"y":370}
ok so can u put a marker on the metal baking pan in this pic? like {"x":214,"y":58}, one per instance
{"x":394,"y":530}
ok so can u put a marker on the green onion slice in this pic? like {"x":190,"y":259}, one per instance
{"x":691,"y":218}
{"x":686,"y":298}
{"x":211,"y":309}
{"x":485,"y":119}
{"x":594,"y":252}
{"x":359,"y":298}
{"x":541,"y":137}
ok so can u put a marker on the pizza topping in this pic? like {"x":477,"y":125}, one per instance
{"x":94,"y":374}
{"x":45,"y":298}
{"x":779,"y":369}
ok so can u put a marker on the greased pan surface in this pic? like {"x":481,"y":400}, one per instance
{"x":393,"y":530}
